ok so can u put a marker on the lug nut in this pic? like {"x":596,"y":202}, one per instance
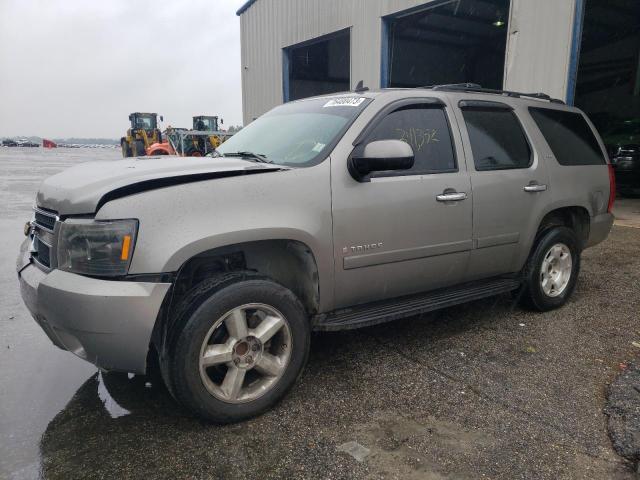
{"x":255,"y":347}
{"x":236,"y":361}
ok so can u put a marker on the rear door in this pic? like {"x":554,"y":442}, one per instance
{"x":396,"y":234}
{"x":509,"y":182}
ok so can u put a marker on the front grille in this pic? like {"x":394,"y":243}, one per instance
{"x":44,"y":225}
{"x":45,"y":219}
{"x":43,"y":252}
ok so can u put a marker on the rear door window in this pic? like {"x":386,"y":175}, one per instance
{"x":497,"y":139}
{"x":426,"y":129}
{"x":569,"y":136}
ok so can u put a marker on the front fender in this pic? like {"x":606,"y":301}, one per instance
{"x":233,"y":238}
{"x":181,"y":221}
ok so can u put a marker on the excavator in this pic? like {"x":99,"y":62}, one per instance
{"x":143,"y":133}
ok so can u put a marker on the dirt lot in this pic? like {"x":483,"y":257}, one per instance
{"x":484,"y":390}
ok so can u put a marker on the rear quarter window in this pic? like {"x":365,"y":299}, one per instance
{"x":569,"y":136}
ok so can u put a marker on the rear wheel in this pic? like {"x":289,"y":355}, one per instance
{"x":244,"y":341}
{"x":552,"y":270}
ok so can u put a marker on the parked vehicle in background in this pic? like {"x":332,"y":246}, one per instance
{"x":623,"y":145}
{"x":328,"y":213}
{"x":8,"y":142}
{"x":25,"y":142}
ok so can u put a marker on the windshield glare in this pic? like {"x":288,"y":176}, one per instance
{"x":297,"y":134}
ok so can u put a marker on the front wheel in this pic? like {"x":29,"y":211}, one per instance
{"x":139,"y":149}
{"x":126,"y":149}
{"x":552,"y":270}
{"x":243,"y":343}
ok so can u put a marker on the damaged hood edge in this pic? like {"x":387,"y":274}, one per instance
{"x":84,"y":188}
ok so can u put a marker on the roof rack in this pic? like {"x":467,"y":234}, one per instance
{"x":474,"y":87}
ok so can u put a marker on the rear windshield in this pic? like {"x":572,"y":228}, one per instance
{"x":297,"y":134}
{"x":569,"y":136}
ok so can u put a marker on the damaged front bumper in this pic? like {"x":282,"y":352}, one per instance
{"x":106,"y":322}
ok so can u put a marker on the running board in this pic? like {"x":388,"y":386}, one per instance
{"x":395,"y":308}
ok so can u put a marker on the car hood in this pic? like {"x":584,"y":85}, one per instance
{"x":84,"y":188}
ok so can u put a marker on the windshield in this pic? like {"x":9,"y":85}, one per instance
{"x":206,"y":124}
{"x":145,"y":123}
{"x":297,"y":134}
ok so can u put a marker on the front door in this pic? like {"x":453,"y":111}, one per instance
{"x":407,"y":231}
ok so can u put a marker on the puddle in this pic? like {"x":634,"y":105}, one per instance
{"x":111,"y":406}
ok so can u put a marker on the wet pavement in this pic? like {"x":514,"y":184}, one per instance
{"x":484,"y":390}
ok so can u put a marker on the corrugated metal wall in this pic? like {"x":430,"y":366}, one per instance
{"x":538,"y":47}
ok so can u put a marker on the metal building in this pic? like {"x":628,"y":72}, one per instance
{"x":585,"y":51}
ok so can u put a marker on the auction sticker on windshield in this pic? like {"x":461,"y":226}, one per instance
{"x":345,"y":102}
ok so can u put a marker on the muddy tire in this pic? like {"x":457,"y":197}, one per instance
{"x":240,"y":343}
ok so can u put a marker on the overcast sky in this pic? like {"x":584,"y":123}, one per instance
{"x":77,"y":68}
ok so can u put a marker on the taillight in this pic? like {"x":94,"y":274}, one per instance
{"x":612,"y":188}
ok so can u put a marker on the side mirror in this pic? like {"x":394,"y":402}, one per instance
{"x":161,"y":118}
{"x":380,"y":156}
{"x":221,"y":121}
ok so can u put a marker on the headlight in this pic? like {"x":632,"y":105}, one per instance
{"x":100,"y":248}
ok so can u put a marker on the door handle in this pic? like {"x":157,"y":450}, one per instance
{"x":451,"y":196}
{"x":535,"y":187}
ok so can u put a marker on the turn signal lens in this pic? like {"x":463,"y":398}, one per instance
{"x":126,"y":243}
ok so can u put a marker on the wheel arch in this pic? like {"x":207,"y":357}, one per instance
{"x":575,"y":217}
{"x":291,"y":263}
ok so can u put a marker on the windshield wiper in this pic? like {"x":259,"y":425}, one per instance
{"x":256,"y":157}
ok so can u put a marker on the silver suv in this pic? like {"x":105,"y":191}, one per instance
{"x":329,"y":213}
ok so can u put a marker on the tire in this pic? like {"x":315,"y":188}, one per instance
{"x":193,"y":152}
{"x":126,"y":150}
{"x":206,"y":317}
{"x":139,"y":148}
{"x":558,"y":251}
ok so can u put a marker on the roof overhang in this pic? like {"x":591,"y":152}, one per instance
{"x":244,"y":7}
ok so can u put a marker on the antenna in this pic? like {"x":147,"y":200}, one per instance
{"x":360,"y":87}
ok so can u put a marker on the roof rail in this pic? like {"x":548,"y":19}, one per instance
{"x":474,"y":87}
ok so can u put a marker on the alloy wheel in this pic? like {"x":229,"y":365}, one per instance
{"x":245,"y":353}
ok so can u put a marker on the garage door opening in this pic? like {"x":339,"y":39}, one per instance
{"x":454,"y":42}
{"x":608,"y":82}
{"x":318,"y":67}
